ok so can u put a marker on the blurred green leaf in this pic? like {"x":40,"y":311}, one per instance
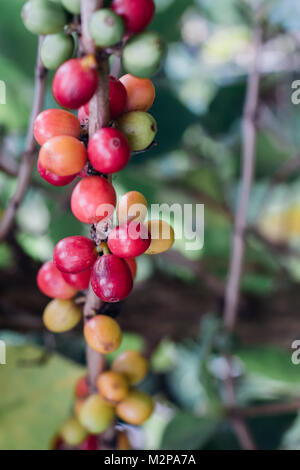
{"x":35,"y":399}
{"x":187,"y":432}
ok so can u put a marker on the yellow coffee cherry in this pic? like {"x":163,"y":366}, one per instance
{"x":136,"y":408}
{"x":162,"y":237}
{"x":95,"y":414}
{"x":112,"y":386}
{"x":132,"y":365}
{"x":61,"y":315}
{"x":72,"y":432}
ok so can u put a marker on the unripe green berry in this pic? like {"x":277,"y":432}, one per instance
{"x":72,"y":6}
{"x":106,"y":28}
{"x":43,"y":16}
{"x":56,"y":49}
{"x":95,"y":414}
{"x":72,"y":432}
{"x":140,"y":129}
{"x":143,"y":54}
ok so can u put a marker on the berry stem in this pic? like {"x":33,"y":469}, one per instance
{"x":99,"y":116}
{"x":25,"y":169}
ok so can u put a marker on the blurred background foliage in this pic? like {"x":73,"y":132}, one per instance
{"x":199,"y":106}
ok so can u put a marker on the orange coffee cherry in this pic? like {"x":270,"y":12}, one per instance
{"x":136,"y":408}
{"x":112,"y":386}
{"x":55,"y":122}
{"x":123,"y":441}
{"x":103,"y":334}
{"x":63,"y":155}
{"x":131,"y":364}
{"x":140,"y":93}
{"x":132,"y":206}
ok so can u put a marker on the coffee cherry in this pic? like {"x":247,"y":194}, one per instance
{"x":132,"y":206}
{"x":143,"y":54}
{"x":61,"y":315}
{"x":136,"y":408}
{"x":90,"y":443}
{"x":74,"y":254}
{"x":56,"y":49}
{"x":75,"y":82}
{"x":63,"y":155}
{"x":72,"y":432}
{"x":43,"y":17}
{"x":140,"y":129}
{"x":117,"y":97}
{"x":52,"y":178}
{"x":52,"y":284}
{"x":103,"y":334}
{"x":78,"y":405}
{"x":162,"y":237}
{"x":137,"y":14}
{"x":54,"y":123}
{"x":131,"y":364}
{"x":106,"y":28}
{"x":72,"y":6}
{"x":96,"y":415}
{"x":108,"y":150}
{"x":111,"y":279}
{"x":112,"y":386}
{"x":132,"y":264}
{"x":140,"y":93}
{"x":80,"y":281}
{"x":82,"y":388}
{"x":129,"y":240}
{"x":123,"y":441}
{"x":93,"y":199}
{"x":117,"y":101}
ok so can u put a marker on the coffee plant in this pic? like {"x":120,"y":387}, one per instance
{"x":113,"y":126}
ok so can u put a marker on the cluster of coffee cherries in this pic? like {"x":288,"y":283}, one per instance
{"x":106,"y":262}
{"x":115,"y":397}
{"x":120,"y":26}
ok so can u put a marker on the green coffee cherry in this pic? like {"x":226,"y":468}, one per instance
{"x":140,"y":129}
{"x":72,"y":432}
{"x":44,"y":16}
{"x":143,"y":54}
{"x":56,"y":49}
{"x":72,"y":6}
{"x":106,"y":28}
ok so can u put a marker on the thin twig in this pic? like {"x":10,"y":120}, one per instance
{"x":99,"y":116}
{"x":249,"y":144}
{"x":25,"y":169}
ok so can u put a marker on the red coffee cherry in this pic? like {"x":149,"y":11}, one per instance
{"x":111,"y":279}
{"x":82,"y":388}
{"x":75,"y":82}
{"x":108,"y":150}
{"x":137,"y":14}
{"x":63,"y":155}
{"x":129,"y":240}
{"x":91,"y":443}
{"x":55,"y":122}
{"x":52,"y":178}
{"x":93,"y":199}
{"x":117,"y":101}
{"x":80,"y":281}
{"x":74,"y":254}
{"x":132,"y":264}
{"x":52,"y":284}
{"x":117,"y":97}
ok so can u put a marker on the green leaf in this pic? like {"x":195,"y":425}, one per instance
{"x":187,"y":432}
{"x":35,"y":398}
